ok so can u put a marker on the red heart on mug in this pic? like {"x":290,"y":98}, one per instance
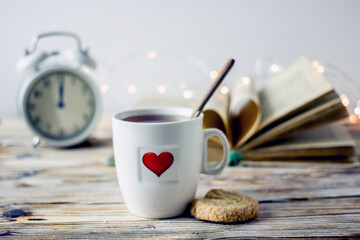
{"x":158,"y":164}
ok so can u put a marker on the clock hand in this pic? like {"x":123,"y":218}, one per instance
{"x":61,"y":92}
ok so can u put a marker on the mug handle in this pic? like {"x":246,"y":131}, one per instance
{"x":215,"y":132}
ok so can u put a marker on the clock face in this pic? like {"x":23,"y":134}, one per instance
{"x":60,"y":104}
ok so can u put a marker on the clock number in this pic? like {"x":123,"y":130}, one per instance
{"x":85,"y":89}
{"x":37,"y":120}
{"x":91,"y":103}
{"x":61,"y":91}
{"x":37,"y":93}
{"x":61,"y":132}
{"x":31,"y":106}
{"x":46,"y":83}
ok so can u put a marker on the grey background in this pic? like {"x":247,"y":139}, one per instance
{"x":206,"y":32}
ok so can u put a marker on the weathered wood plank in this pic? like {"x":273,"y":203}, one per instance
{"x":73,"y":194}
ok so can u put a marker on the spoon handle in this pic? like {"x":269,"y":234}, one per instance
{"x":212,"y":88}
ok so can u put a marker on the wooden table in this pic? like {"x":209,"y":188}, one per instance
{"x":57,"y":193}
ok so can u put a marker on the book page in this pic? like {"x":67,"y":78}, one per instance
{"x":327,"y":109}
{"x":244,"y":110}
{"x":294,"y":87}
{"x":331,"y":141}
{"x":216,"y":113}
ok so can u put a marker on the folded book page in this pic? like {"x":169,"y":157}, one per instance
{"x":330,"y":141}
{"x":327,"y":109}
{"x":245,"y":112}
{"x":216,"y":113}
{"x":291,"y":89}
{"x":237,"y":114}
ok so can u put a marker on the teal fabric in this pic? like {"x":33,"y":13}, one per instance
{"x":110,"y":160}
{"x":235,"y":158}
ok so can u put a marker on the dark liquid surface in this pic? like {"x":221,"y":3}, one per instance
{"x":154,"y":118}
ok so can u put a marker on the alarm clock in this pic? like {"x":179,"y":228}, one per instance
{"x":59,"y":102}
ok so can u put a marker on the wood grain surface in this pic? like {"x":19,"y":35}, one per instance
{"x":48,"y":193}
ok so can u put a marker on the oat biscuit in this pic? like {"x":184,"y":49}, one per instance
{"x":223,"y":206}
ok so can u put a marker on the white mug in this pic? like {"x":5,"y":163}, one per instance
{"x":158,"y":164}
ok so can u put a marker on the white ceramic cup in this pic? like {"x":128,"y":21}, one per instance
{"x":158,"y":164}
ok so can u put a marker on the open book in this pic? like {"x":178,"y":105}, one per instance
{"x":283,"y":118}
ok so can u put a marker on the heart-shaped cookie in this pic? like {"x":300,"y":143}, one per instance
{"x":158,"y":164}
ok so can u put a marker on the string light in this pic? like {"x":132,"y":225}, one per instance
{"x":246,"y":80}
{"x":354,"y":115}
{"x":213,"y":74}
{"x":353,"y":118}
{"x":274,"y":68}
{"x":345,"y":100}
{"x":86,"y":70}
{"x":357,"y":111}
{"x":161,"y":89}
{"x":320,"y":69}
{"x":316,"y":64}
{"x":188,"y":94}
{"x":131,"y":89}
{"x":224,"y":90}
{"x":104,"y":88}
{"x":151,"y":55}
